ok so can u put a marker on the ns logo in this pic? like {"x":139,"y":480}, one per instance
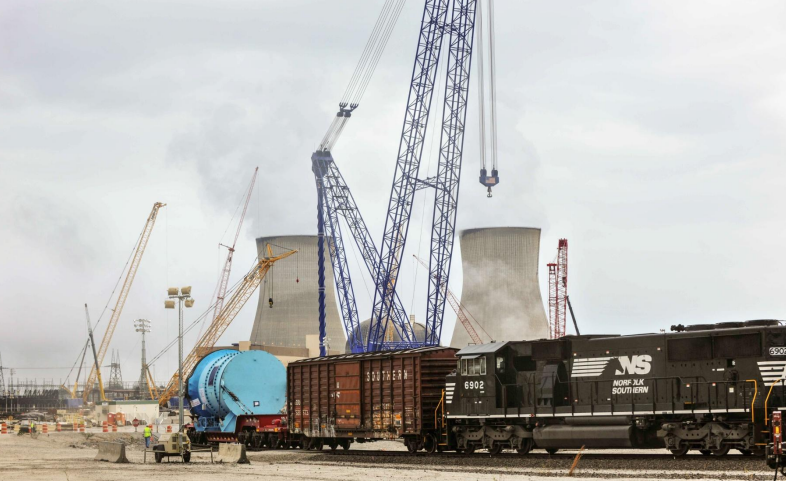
{"x":639,"y":364}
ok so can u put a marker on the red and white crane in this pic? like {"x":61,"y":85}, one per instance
{"x":223,"y":282}
{"x":559,"y":301}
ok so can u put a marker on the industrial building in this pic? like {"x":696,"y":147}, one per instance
{"x":500,"y":288}
{"x":292,"y":322}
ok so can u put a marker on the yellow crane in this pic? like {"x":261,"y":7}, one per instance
{"x":121,"y":298}
{"x":228,"y":313}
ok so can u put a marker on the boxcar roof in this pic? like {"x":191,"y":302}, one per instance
{"x":367,"y":355}
{"x":482,"y":348}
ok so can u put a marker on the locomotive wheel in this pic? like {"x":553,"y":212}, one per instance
{"x":680,"y":451}
{"x":526,"y":446}
{"x":722,"y":451}
{"x":469,"y":449}
{"x":745,"y":452}
{"x":552,"y":450}
{"x":705,"y":452}
{"x":429,"y":443}
{"x":495,"y":449}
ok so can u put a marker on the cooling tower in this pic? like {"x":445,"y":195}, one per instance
{"x":292,"y":283}
{"x":500,"y":287}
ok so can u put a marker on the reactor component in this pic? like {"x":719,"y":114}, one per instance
{"x":228,"y":383}
{"x":500,"y":288}
{"x":292,"y":286}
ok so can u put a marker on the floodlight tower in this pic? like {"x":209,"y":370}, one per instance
{"x":182,"y":294}
{"x":143,"y":326}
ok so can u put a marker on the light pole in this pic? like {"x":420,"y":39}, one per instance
{"x":182,"y":294}
{"x":143,"y":326}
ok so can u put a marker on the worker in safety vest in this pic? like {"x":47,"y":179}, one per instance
{"x":32,"y":426}
{"x":147,"y":434}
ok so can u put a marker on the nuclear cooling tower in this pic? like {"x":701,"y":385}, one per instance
{"x":500,"y":287}
{"x":292,"y":283}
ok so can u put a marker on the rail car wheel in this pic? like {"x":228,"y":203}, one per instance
{"x":344,"y":443}
{"x":333,"y":445}
{"x":412,"y":446}
{"x":552,"y":450}
{"x":705,"y":452}
{"x":495,"y":449}
{"x":430,"y":443}
{"x":680,"y":451}
{"x":722,"y":451}
{"x":318,"y":444}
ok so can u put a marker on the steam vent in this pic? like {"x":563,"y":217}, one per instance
{"x":500,"y":287}
{"x":295,"y":311}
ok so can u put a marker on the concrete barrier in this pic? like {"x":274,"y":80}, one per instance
{"x":232,"y":453}
{"x":111,"y":452}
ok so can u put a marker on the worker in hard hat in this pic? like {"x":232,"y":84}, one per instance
{"x":32,"y":426}
{"x":148,"y":433}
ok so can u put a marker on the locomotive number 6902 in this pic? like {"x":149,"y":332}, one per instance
{"x":473,"y":385}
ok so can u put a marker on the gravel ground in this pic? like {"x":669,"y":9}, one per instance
{"x":69,"y":456}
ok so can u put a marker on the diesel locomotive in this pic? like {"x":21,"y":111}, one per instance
{"x":710,"y":388}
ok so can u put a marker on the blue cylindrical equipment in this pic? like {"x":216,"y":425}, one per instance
{"x":228,"y":383}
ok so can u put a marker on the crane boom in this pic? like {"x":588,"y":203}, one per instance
{"x":95,"y":356}
{"x":223,"y":283}
{"x":421,"y":91}
{"x":121,"y":298}
{"x":459,"y":309}
{"x":243,"y":293}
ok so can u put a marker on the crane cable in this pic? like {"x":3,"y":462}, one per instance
{"x":489,"y":147}
{"x":493,"y":86}
{"x":364,"y":70}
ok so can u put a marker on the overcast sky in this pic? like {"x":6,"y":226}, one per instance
{"x":650,"y":134}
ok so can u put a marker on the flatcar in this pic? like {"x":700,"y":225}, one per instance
{"x":710,"y":388}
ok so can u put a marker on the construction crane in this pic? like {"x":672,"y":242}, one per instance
{"x":558,"y":292}
{"x":139,"y":249}
{"x":223,"y":282}
{"x":97,"y":365}
{"x":457,"y":19}
{"x":461,"y":312}
{"x":460,"y":27}
{"x":230,"y":310}
{"x":486,"y":180}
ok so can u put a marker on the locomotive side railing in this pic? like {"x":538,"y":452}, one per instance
{"x":673,"y":388}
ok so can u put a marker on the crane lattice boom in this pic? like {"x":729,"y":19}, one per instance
{"x":232,"y":307}
{"x":558,"y":291}
{"x":122,"y":296}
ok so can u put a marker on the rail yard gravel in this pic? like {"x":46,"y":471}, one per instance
{"x":69,"y":457}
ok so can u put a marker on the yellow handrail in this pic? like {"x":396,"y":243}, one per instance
{"x":755,"y":393}
{"x":441,"y":400}
{"x":767,"y":400}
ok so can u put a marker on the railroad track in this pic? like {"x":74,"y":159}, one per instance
{"x":508,"y":456}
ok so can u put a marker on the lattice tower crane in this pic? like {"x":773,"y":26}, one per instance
{"x":230,"y":310}
{"x":558,"y":291}
{"x":122,"y":296}
{"x":223,"y":283}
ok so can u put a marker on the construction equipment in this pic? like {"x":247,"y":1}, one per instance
{"x":151,"y":384}
{"x":97,"y":365}
{"x":223,"y":283}
{"x":461,"y":312}
{"x":232,"y":307}
{"x":334,"y":198}
{"x":558,"y":293}
{"x":144,"y":237}
{"x":173,"y":444}
{"x":486,"y":180}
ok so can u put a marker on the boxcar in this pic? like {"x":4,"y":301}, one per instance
{"x":336,"y":400}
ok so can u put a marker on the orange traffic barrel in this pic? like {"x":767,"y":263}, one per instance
{"x":45,"y":429}
{"x":58,"y":427}
{"x":4,"y":428}
{"x":169,"y":428}
{"x":114,"y":428}
{"x":106,"y":427}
